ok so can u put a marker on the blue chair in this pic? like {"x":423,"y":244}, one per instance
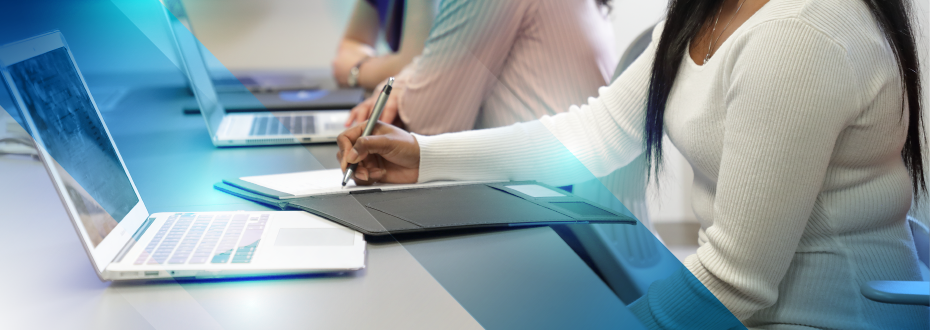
{"x":906,"y":292}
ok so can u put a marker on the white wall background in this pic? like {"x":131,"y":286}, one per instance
{"x":271,"y":34}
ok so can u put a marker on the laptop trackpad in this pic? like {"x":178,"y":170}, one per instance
{"x":314,"y":237}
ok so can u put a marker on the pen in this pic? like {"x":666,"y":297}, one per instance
{"x":372,"y":120}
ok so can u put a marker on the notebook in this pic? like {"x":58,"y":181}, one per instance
{"x":400,"y":209}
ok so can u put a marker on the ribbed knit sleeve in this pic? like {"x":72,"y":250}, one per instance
{"x":523,"y":151}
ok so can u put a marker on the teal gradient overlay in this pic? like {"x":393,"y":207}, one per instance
{"x":655,"y":280}
{"x":174,"y":166}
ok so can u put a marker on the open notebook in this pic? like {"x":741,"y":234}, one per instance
{"x":316,"y":183}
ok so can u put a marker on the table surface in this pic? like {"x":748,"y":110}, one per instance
{"x":510,"y":279}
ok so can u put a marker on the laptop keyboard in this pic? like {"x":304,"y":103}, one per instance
{"x":286,"y":125}
{"x":190,"y":238}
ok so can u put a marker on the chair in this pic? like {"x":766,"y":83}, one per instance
{"x":906,"y":292}
{"x":638,"y":46}
{"x":628,"y":258}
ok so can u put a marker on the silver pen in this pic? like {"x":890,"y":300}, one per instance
{"x":372,"y":121}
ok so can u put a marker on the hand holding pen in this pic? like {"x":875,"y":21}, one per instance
{"x":356,"y":145}
{"x":386,"y":153}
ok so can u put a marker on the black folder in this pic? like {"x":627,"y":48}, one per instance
{"x":374,"y":212}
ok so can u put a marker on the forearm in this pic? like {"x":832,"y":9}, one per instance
{"x":418,"y":19}
{"x":526,"y":151}
{"x":376,"y":70}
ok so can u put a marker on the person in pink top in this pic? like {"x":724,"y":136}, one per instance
{"x":494,"y":63}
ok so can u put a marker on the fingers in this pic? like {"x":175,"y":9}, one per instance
{"x":388,"y":155}
{"x":351,"y":118}
{"x":361,"y":174}
{"x":360,"y":112}
{"x":372,"y":144}
{"x":370,"y":171}
{"x":356,"y":112}
{"x":346,"y":140}
{"x":389,"y":114}
{"x":367,"y":176}
{"x":375,"y":170}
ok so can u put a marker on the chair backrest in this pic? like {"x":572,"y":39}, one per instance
{"x":633,"y":51}
{"x":922,"y":243}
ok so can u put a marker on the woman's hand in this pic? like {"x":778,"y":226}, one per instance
{"x":362,"y":111}
{"x":389,"y":154}
{"x":349,"y":54}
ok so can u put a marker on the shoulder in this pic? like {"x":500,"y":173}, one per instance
{"x":812,"y":28}
{"x":847,"y":23}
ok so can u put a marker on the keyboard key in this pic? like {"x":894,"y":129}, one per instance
{"x":222,"y":257}
{"x":191,"y":239}
{"x":244,"y":254}
{"x":150,"y":248}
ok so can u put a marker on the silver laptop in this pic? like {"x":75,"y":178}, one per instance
{"x":247,"y":129}
{"x":122,"y":239}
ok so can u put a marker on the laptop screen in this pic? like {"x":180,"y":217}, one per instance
{"x":195,"y":67}
{"x":73,"y":134}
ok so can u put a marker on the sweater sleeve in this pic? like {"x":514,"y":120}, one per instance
{"x":586,"y":142}
{"x":792,"y":92}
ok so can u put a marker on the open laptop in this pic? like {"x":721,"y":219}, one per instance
{"x":255,"y":128}
{"x":122,"y":239}
{"x":272,"y":90}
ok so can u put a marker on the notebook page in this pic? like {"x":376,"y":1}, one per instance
{"x":327,"y":182}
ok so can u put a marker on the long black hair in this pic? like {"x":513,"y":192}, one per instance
{"x":686,"y":18}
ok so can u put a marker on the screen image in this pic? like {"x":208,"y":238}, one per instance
{"x":74,"y":136}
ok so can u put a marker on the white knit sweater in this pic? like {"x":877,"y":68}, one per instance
{"x":794,"y":130}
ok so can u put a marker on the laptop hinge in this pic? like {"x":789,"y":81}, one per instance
{"x":132,"y":240}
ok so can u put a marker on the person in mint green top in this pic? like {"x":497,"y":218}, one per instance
{"x":802,"y":121}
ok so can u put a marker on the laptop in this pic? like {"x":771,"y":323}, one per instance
{"x":122,"y":239}
{"x":255,"y":128}
{"x":265,"y":90}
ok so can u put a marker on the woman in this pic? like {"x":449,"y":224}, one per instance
{"x":801,"y":119}
{"x":405,"y":24}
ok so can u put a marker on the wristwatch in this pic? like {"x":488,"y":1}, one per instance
{"x":353,"y":73}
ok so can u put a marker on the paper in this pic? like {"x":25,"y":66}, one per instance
{"x":302,"y":183}
{"x":536,"y":191}
{"x":328,"y":182}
